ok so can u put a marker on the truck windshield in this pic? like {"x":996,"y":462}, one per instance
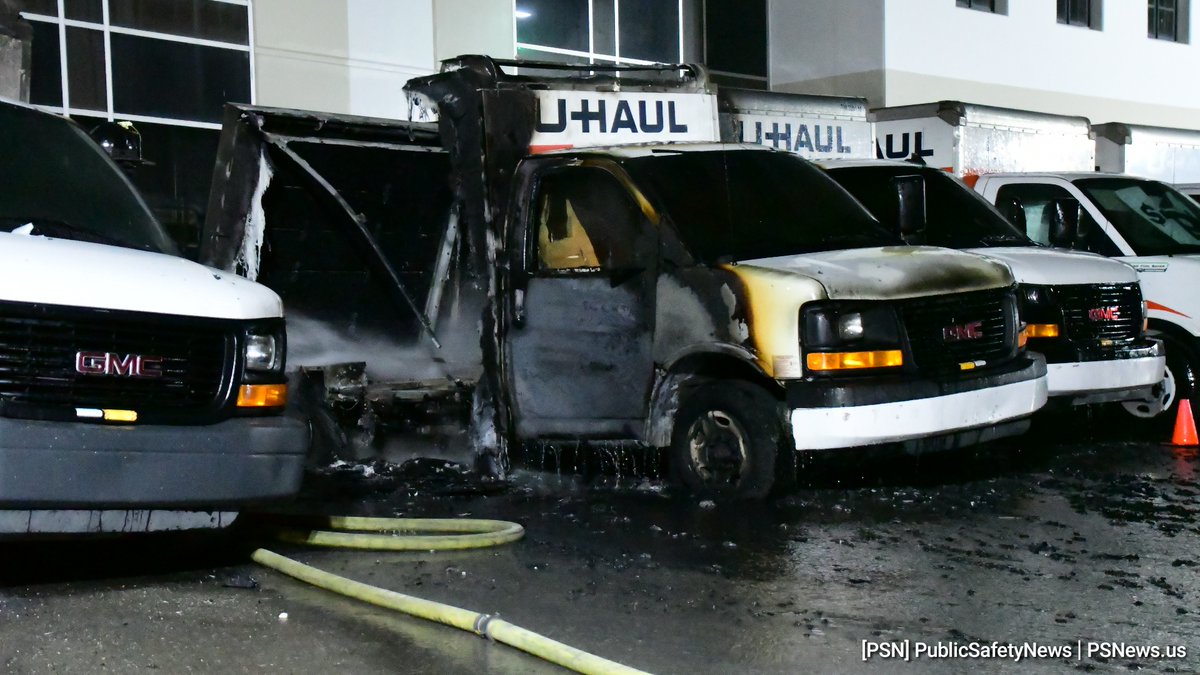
{"x":56,"y":182}
{"x":733,"y":205}
{"x":955,"y":215}
{"x":1155,"y":219}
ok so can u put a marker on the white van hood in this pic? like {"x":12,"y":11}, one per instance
{"x":893,"y":272}
{"x":1050,"y":266}
{"x":79,"y":274}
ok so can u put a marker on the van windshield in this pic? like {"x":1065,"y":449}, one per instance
{"x":1154,"y":218}
{"x":955,"y":215}
{"x":56,"y":182}
{"x":736,"y":205}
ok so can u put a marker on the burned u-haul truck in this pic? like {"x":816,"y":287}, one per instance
{"x":729,"y":304}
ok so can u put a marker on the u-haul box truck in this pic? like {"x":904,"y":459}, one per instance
{"x":726,"y":304}
{"x":814,"y":127}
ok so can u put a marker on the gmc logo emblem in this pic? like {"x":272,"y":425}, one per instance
{"x":1104,"y":314}
{"x":963,"y":331}
{"x":127,"y":365}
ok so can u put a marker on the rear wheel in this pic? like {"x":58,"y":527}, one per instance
{"x":726,"y":440}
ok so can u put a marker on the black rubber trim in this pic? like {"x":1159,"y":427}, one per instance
{"x":875,"y":389}
{"x":1063,"y":351}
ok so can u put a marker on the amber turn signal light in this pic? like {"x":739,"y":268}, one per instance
{"x":262,"y":395}
{"x":1041,"y":330}
{"x":854,"y":360}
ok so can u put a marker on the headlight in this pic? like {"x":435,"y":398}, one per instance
{"x":262,"y":353}
{"x":839,"y":336}
{"x":1040,"y":311}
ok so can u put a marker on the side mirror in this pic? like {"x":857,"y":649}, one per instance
{"x":910,"y":205}
{"x":1064,"y":222}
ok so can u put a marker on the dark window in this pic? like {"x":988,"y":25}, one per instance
{"x":85,"y":69}
{"x":982,"y":5}
{"x":220,"y":21}
{"x":1039,"y":209}
{"x":1079,"y":13}
{"x":1163,"y":19}
{"x":604,"y":27}
{"x":649,"y":30}
{"x":160,"y":78}
{"x":735,"y":36}
{"x":955,"y":215}
{"x":45,"y":79}
{"x":553,"y":23}
{"x":43,"y":7}
{"x":584,"y":219}
{"x":84,"y":10}
{"x":54,"y":177}
{"x":747,"y":204}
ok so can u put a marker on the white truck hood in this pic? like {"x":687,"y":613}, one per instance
{"x":1051,"y":266}
{"x":893,"y":272}
{"x":79,"y":274}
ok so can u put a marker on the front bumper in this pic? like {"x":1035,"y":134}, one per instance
{"x":957,"y":411}
{"x":236,"y":462}
{"x":1128,"y":374}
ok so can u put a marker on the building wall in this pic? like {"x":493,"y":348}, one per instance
{"x":823,"y":47}
{"x":1025,"y":59}
{"x":354,"y":56}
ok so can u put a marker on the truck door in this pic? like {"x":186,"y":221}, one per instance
{"x":1039,"y":210}
{"x":580,"y":312}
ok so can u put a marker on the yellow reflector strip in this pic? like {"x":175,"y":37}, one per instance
{"x":967,"y":365}
{"x":262,"y":395}
{"x":851,"y":360}
{"x":1041,"y":330}
{"x":120,"y":415}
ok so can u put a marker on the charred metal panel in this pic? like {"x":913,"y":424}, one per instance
{"x":581,"y":358}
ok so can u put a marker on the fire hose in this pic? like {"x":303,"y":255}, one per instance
{"x":427,"y":534}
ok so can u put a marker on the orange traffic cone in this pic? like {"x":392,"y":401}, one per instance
{"x":1185,"y":426}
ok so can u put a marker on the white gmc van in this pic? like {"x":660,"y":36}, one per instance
{"x":138,"y":390}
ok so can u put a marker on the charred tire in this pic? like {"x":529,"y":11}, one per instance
{"x":489,"y":440}
{"x":726,"y":440}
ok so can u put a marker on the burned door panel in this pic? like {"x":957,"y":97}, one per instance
{"x":579,"y":334}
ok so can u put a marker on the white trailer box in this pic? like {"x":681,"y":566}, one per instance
{"x":968,"y":140}
{"x":814,"y":127}
{"x":1168,"y":155}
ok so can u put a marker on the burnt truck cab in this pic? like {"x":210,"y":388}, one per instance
{"x":576,"y":252}
{"x":733,"y":304}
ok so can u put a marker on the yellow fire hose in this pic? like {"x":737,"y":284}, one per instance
{"x":452,"y":534}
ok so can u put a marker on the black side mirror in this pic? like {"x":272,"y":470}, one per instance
{"x":910,"y":205}
{"x":1064,"y":222}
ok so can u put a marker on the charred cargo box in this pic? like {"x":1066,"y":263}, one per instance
{"x":582,"y":259}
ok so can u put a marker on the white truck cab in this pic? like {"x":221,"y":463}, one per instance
{"x":1145,"y":223}
{"x":1083,"y":311}
{"x":138,"y":390}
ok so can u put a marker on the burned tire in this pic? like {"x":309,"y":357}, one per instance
{"x":726,"y":440}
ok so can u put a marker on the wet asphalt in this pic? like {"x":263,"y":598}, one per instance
{"x":1059,"y":538}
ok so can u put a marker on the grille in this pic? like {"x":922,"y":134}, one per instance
{"x":38,"y":349}
{"x":1124,"y":322}
{"x":926,"y":319}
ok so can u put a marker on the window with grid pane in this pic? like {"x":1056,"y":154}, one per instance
{"x":982,"y":5}
{"x":1078,"y":13}
{"x":1162,"y":19}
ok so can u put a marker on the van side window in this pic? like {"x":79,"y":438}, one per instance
{"x":1037,"y":209}
{"x":584,"y":219}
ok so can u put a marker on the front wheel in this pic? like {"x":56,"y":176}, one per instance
{"x":726,"y":440}
{"x":1180,"y":381}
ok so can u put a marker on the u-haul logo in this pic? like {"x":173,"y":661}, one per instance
{"x":573,"y":119}
{"x":897,"y":146}
{"x":806,"y":137}
{"x":118,"y":365}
